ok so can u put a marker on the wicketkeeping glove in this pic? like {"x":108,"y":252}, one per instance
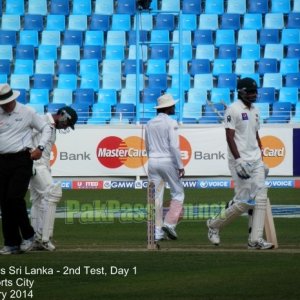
{"x":242,"y":168}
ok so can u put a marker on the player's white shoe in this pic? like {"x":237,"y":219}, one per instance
{"x":27,"y":245}
{"x":48,"y":246}
{"x":213,"y":234}
{"x":261,"y":244}
{"x":6,"y":250}
{"x":170,"y":232}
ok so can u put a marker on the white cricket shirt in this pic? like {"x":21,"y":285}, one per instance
{"x":245,"y":123}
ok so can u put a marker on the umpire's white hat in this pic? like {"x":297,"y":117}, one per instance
{"x":165,"y":100}
{"x":7,"y":94}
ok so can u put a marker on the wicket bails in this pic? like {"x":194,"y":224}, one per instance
{"x":151,"y":245}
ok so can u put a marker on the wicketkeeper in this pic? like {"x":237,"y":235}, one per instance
{"x":165,"y":166}
{"x":246,"y":167}
{"x":44,"y":193}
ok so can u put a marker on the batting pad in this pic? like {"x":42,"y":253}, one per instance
{"x":48,"y":225}
{"x":174,"y":213}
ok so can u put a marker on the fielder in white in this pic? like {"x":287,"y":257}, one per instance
{"x":165,"y":166}
{"x":44,"y":193}
{"x":246,"y":167}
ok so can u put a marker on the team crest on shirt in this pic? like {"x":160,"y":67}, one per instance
{"x":244,"y":116}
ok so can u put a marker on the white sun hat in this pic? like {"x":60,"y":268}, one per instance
{"x":165,"y":100}
{"x":7,"y":94}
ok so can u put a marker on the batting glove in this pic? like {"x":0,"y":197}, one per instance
{"x":242,"y":169}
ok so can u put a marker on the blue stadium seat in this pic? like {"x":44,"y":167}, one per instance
{"x":268,"y":36}
{"x":205,"y":52}
{"x":208,"y":21}
{"x":147,"y":111}
{"x":83,"y":112}
{"x":221,"y":95}
{"x":101,"y":114}
{"x":94,"y":37}
{"x":142,"y":53}
{"x":33,"y":22}
{"x":150,"y":95}
{"x":67,"y":66}
{"x":29,"y":37}
{"x":100,"y":22}
{"x":293,"y":20}
{"x":191,"y":113}
{"x":273,"y":80}
{"x":23,"y":66}
{"x":197,"y":95}
{"x":111,"y":66}
{"x":37,"y":7}
{"x":221,"y":65}
{"x":126,"y":7}
{"x":228,"y":52}
{"x":186,"y":37}
{"x":199,"y":66}
{"x":145,"y":21}
{"x":107,"y":96}
{"x":281,"y":113}
{"x":214,"y":7}
{"x":111,"y":81}
{"x":230,"y":21}
{"x":124,"y":111}
{"x":37,"y":96}
{"x":191,"y":7}
{"x":51,"y":37}
{"x":170,"y":5}
{"x":121,"y":22}
{"x":265,"y":94}
{"x":104,"y":7}
{"x":188,"y":22}
{"x":43,"y":66}
{"x":131,"y":83}
{"x":160,"y":51}
{"x":185,"y":82}
{"x":165,"y":22}
{"x":117,"y":37}
{"x":227,"y":81}
{"x":253,"y":21}
{"x":289,"y":65}
{"x":14,"y":7}
{"x":62,"y":95}
{"x":47,"y":52}
{"x":86,"y":96}
{"x":237,"y":6}
{"x":70,"y":52}
{"x":56,"y":22}
{"x":159,"y":81}
{"x":60,"y":7}
{"x":82,"y":7}
{"x":5,"y":66}
{"x":43,"y":81}
{"x":11,"y":22}
{"x":250,"y":51}
{"x":130,"y":66}
{"x":264,"y":110}
{"x":296,"y":117}
{"x":53,"y":108}
{"x":20,"y":81}
{"x":23,"y":96}
{"x":8,"y":37}
{"x":143,"y":36}
{"x":280,"y":6}
{"x":77,"y":22}
{"x":73,"y":37}
{"x":244,"y":65}
{"x":3,"y":78}
{"x":293,"y":51}
{"x":290,"y":36}
{"x":115,"y":52}
{"x":128,"y":95}
{"x":38,"y":107}
{"x":25,"y":52}
{"x":90,"y":81}
{"x":174,"y":67}
{"x":225,"y":37}
{"x":67,"y":81}
{"x":247,"y":37}
{"x":92,"y":52}
{"x":203,"y":81}
{"x":159,"y":35}
{"x":274,"y":21}
{"x":274,"y":51}
{"x":258,"y":6}
{"x":88,"y":66}
{"x":288,"y":94}
{"x":292,"y":80}
{"x":296,"y":6}
{"x":156,"y":66}
{"x":212,"y":114}
{"x":267,"y":65}
{"x":203,"y":37}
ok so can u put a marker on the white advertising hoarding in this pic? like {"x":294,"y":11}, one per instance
{"x":108,"y":151}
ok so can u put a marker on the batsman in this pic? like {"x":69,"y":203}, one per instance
{"x":246,"y":167}
{"x":44,"y":193}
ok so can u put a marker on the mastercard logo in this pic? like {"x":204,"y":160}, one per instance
{"x":114,"y":152}
{"x":273,"y":151}
{"x":53,"y":155}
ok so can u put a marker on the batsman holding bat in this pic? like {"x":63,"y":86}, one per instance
{"x":246,"y":167}
{"x":165,"y":166}
{"x":44,"y":193}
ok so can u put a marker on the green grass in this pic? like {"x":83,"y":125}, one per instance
{"x":189,"y":268}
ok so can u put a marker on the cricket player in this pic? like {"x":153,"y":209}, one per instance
{"x":246,"y":167}
{"x":44,"y":193}
{"x":165,"y":166}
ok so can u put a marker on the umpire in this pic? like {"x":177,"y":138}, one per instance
{"x":16,"y":158}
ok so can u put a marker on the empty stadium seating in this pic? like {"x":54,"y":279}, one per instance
{"x":65,"y":46}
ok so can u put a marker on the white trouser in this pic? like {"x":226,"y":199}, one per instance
{"x":161,"y":171}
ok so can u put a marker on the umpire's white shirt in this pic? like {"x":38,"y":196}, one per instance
{"x":162,"y":140}
{"x":245,"y":123}
{"x":16,"y":129}
{"x":36,"y":136}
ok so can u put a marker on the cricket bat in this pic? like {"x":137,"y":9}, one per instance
{"x":270,"y":227}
